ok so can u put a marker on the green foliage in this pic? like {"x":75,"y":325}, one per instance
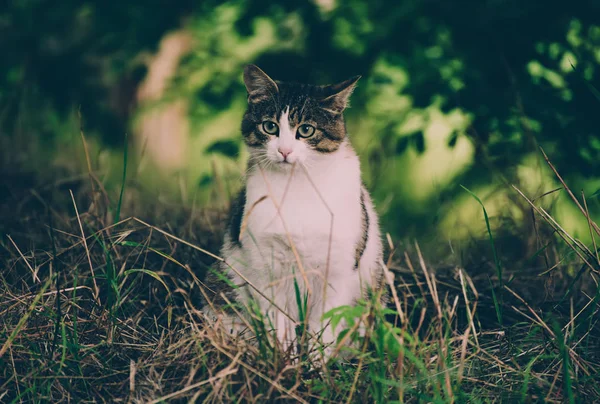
{"x":76,"y":54}
{"x":448,"y":95}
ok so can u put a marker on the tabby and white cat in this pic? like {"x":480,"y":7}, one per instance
{"x":303,"y":215}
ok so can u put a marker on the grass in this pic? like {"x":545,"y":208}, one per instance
{"x":101,"y":308}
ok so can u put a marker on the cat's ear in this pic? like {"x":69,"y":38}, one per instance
{"x":336,"y":96}
{"x":259,"y":85}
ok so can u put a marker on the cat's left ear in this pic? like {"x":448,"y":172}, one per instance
{"x":337,"y":95}
{"x":259,"y":85}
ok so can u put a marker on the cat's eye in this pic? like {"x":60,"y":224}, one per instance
{"x":305,"y":130}
{"x":270,"y":127}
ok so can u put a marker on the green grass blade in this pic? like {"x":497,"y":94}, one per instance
{"x":57,"y":266}
{"x":496,"y":303}
{"x":151,"y":273}
{"x":301,"y":312}
{"x":564,"y":353}
{"x":496,"y":259}
{"x":24,"y":318}
{"x":125,"y":158}
{"x":489,"y":230}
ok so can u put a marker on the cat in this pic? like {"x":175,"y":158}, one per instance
{"x":303,"y":220}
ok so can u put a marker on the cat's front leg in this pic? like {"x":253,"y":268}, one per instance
{"x":344,"y":291}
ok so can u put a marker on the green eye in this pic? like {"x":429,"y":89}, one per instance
{"x":270,"y":127}
{"x":305,"y":130}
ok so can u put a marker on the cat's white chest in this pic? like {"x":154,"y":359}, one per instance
{"x":320,"y":217}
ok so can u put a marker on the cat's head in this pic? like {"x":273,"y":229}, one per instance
{"x":289,"y":123}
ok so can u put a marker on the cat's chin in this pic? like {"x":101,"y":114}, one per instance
{"x":284,"y":165}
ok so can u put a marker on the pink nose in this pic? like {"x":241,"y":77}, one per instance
{"x":285,"y":152}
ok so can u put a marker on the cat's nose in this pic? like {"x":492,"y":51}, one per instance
{"x":285,"y":152}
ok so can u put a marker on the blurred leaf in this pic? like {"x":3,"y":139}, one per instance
{"x":452,"y":140}
{"x":402,"y":144}
{"x":228,"y":148}
{"x":419,"y":140}
{"x":205,"y":180}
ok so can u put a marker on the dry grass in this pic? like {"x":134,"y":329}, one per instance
{"x":93,"y":310}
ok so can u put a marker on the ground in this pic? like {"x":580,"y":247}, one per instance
{"x":100,"y":298}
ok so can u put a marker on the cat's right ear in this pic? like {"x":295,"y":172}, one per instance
{"x":259,"y":85}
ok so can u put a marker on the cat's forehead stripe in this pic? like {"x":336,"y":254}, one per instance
{"x":284,"y":121}
{"x":291,"y":114}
